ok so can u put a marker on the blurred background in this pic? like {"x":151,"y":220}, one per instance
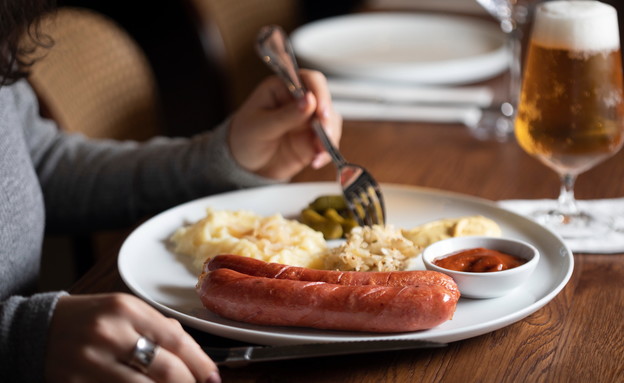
{"x":201,"y":51}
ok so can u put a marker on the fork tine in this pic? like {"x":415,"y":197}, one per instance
{"x":366,"y":204}
{"x":365,"y":200}
{"x":375,"y":210}
{"x":355,"y":205}
{"x":378,"y":204}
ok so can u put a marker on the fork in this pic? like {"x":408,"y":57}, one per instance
{"x":362,"y":193}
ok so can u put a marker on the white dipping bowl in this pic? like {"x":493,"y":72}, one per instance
{"x":484,"y":284}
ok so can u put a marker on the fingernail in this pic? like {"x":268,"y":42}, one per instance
{"x":318,"y":161}
{"x":214,"y":377}
{"x":316,"y":164}
{"x":325,"y":114}
{"x":302,"y":103}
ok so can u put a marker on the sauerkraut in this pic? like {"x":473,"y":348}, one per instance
{"x":373,"y":248}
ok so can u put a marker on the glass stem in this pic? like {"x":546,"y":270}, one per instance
{"x":567,"y":203}
{"x":515,"y":71}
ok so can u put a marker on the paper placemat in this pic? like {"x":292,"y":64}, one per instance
{"x":602,"y":242}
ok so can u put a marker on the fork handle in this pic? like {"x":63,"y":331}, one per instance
{"x":276,"y":51}
{"x":338,"y":159}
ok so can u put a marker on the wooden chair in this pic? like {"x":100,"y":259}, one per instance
{"x":95,"y":79}
{"x":229,"y":29}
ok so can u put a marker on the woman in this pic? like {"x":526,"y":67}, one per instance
{"x":49,"y":179}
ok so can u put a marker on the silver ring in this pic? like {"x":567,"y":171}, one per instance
{"x":143,"y":354}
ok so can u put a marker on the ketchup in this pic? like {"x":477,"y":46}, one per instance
{"x":479,"y":260}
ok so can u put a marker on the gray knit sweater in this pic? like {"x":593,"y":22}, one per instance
{"x":66,"y":183}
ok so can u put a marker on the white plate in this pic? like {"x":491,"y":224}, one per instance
{"x":162,"y":278}
{"x":406,"y":47}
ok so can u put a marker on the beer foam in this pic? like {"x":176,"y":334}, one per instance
{"x":577,"y":25}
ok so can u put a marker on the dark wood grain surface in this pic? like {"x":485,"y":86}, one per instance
{"x":577,"y":337}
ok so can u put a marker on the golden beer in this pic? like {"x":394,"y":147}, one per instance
{"x":571,"y":112}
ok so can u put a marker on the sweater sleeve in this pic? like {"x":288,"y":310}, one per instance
{"x":90,"y":184}
{"x":23,"y":331}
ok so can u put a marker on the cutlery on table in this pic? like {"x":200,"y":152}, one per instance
{"x":236,"y":356}
{"x":362,"y":193}
{"x":410,"y":94}
{"x":375,"y":111}
{"x":372,"y":100}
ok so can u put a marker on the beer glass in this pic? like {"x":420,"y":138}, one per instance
{"x":571,"y":110}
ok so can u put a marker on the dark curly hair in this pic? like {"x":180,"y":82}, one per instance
{"x":20,"y":36}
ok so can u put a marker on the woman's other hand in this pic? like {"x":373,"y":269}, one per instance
{"x":92,"y":338}
{"x":271,"y":134}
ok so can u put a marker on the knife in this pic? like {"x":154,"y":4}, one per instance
{"x":237,"y":356}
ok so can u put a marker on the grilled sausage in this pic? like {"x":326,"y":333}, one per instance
{"x":284,"y":302}
{"x":256,"y":267}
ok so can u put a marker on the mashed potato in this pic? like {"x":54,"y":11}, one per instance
{"x":271,"y":239}
{"x":428,"y":233}
{"x":373,"y":248}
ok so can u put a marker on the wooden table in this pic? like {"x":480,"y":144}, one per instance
{"x":577,"y":337}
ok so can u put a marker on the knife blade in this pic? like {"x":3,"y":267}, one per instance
{"x":237,"y":356}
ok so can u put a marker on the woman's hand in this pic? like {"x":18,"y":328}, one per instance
{"x":92,"y":338}
{"x":271,"y":135}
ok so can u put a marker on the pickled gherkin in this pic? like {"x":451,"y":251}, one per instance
{"x":330,"y":229}
{"x":330,"y":215}
{"x":323,"y":203}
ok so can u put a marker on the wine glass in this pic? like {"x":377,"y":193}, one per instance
{"x":498,"y":123}
{"x":571,"y":110}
